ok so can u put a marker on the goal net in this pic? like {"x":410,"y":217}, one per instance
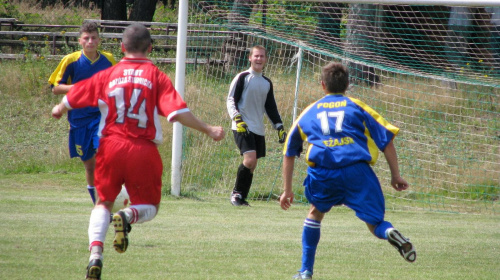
{"x":431,"y":70}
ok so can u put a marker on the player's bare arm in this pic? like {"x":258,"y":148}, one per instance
{"x":286,"y":198}
{"x":188,"y":119}
{"x":397,"y":182}
{"x":59,"y":110}
{"x":61,"y":89}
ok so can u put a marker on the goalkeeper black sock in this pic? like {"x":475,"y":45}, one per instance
{"x":243,"y":177}
{"x":247,"y":186}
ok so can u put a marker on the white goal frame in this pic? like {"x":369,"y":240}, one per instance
{"x":177,"y":138}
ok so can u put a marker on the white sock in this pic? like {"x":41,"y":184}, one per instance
{"x":96,"y":253}
{"x":140,"y":213}
{"x":387,"y":231}
{"x":98,"y":224}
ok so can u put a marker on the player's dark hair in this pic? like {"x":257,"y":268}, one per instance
{"x":335,"y":77}
{"x":136,"y":38}
{"x":258,"y":47}
{"x":89,"y":27}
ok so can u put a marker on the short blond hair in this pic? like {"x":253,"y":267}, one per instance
{"x":258,"y":47}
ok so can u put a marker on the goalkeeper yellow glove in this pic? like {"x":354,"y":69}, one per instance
{"x":281,"y":134}
{"x":241,"y":126}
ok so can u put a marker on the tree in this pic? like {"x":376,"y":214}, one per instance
{"x":358,"y":40}
{"x":169,"y":3}
{"x":114,"y":10}
{"x":329,"y":22}
{"x":143,"y":10}
{"x":140,"y":10}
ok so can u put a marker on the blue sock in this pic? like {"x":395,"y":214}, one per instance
{"x":310,"y":240}
{"x":91,"y":190}
{"x":381,"y":229}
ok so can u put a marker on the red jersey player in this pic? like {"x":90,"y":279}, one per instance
{"x":131,"y":96}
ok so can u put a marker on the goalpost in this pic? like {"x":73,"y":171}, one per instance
{"x":180,"y":70}
{"x":431,"y":68}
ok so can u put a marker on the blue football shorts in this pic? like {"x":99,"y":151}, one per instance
{"x":84,"y":141}
{"x":355,"y":186}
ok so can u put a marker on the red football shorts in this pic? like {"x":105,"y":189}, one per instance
{"x":133,"y":162}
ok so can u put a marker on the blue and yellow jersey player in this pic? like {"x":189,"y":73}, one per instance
{"x":343,"y":138}
{"x":84,"y":123}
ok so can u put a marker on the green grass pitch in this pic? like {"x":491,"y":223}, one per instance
{"x":44,"y":221}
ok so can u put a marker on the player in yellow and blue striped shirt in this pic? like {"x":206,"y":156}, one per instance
{"x":343,"y":138}
{"x":84,"y":123}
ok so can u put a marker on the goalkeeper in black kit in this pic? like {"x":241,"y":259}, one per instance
{"x":251,"y":97}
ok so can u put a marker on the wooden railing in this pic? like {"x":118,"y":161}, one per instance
{"x":16,"y":35}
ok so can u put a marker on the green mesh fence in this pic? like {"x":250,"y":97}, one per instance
{"x":433,"y":71}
